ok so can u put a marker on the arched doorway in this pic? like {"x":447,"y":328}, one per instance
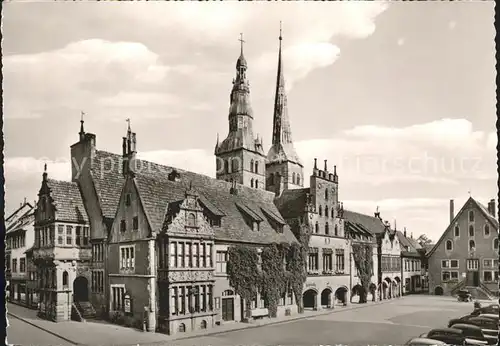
{"x":309,"y":299}
{"x":341,"y":295}
{"x":388,"y":288}
{"x":356,"y":293}
{"x":397,"y":286}
{"x":326,"y":298}
{"x":81,"y":289}
{"x":438,"y":291}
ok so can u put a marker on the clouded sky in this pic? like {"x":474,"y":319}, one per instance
{"x":400,"y":97}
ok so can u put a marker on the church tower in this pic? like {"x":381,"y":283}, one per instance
{"x":284,"y":168}
{"x":240,"y":157}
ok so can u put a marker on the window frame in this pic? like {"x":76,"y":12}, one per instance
{"x":446,"y":245}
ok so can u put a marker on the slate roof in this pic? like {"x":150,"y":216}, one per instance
{"x":67,"y":201}
{"x":373,"y":224}
{"x":157,"y":192}
{"x":292,"y":203}
{"x":479,"y":206}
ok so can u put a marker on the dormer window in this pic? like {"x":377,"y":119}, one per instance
{"x":174,"y":175}
{"x":191,"y":220}
{"x":255,"y":226}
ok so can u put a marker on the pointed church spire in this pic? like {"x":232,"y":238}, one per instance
{"x":282,"y":143}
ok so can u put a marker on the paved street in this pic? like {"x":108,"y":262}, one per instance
{"x":22,"y":333}
{"x":389,"y":323}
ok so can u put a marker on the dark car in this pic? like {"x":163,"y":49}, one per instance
{"x":449,"y":336}
{"x":423,"y":342}
{"x":489,"y":309}
{"x":488,"y":325}
{"x":473,"y":334}
{"x":462,"y":319}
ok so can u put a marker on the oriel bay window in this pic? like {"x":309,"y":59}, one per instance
{"x":187,"y":254}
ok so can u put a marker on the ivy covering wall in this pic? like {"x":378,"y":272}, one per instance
{"x":279,"y":267}
{"x":363,"y":260}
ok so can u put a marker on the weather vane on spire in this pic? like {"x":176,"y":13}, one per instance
{"x":82,"y":113}
{"x":128,"y":122}
{"x":241,"y":40}
{"x":280,"y":31}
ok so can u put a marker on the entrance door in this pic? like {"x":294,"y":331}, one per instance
{"x":475,"y":279}
{"x":80,"y":289}
{"x":473,"y":272}
{"x":227,"y":309}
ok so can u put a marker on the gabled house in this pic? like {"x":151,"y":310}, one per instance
{"x":412,"y":273}
{"x":466,"y":254}
{"x":356,"y":227}
{"x":167,"y":248}
{"x":19,"y":237}
{"x":388,"y":264}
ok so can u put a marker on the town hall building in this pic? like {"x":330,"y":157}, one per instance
{"x":146,"y":245}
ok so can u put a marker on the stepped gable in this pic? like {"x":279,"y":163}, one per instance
{"x":373,"y":224}
{"x":292,"y":203}
{"x":157,"y":192}
{"x":67,"y":200}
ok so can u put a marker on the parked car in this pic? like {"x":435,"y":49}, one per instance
{"x":488,"y":325}
{"x":462,"y":319}
{"x":449,"y":336}
{"x":423,"y":342}
{"x":473,"y":334}
{"x":490,"y":316}
{"x":489,"y":309}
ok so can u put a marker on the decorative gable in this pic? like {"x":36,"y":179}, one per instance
{"x":187,"y":218}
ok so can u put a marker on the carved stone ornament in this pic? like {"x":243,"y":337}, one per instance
{"x":191,"y":275}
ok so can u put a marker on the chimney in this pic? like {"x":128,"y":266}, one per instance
{"x":452,"y":210}
{"x":492,"y":208}
{"x":404,"y":232}
{"x":326,"y":166}
{"x":377,"y":214}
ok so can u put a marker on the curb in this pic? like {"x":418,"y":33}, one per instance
{"x":44,"y":329}
{"x":251,"y":326}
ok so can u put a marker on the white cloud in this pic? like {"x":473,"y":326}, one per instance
{"x":21,"y":168}
{"x":76,"y":75}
